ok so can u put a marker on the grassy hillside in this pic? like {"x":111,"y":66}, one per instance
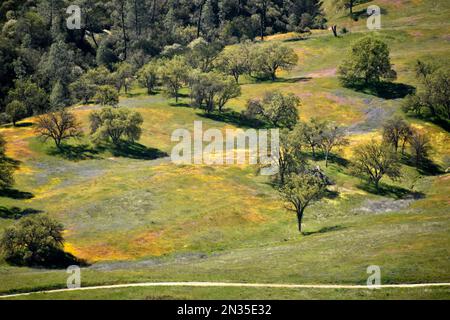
{"x":136,"y":217}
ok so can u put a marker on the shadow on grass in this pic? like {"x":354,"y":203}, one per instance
{"x":75,"y":153}
{"x":180,"y":104}
{"x":16,"y":213}
{"x":56,"y":259}
{"x":235,"y":118}
{"x":332,"y":158}
{"x":261,"y":80}
{"x":16,"y":194}
{"x":331,"y":194}
{"x":324,"y":230}
{"x":395,"y":192}
{"x":18,"y":125}
{"x":444,"y":124}
{"x":135,"y":150}
{"x":426,"y":167}
{"x":385,"y":90}
{"x":296,"y":39}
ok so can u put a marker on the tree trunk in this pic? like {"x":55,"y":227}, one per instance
{"x":122,"y":15}
{"x":377,"y":184}
{"x":300,"y":218}
{"x":334,"y":29}
{"x":58,"y":143}
{"x":274,"y":75}
{"x":153,"y":11}
{"x":327,"y":154}
{"x":136,"y":19}
{"x":93,"y":39}
{"x":199,"y":22}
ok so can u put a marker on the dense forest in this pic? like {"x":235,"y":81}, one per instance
{"x":41,"y":59}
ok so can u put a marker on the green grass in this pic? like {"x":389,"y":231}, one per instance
{"x":141,"y":220}
{"x":245,"y":293}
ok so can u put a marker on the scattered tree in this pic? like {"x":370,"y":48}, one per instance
{"x":211,"y":90}
{"x":278,"y":109}
{"x":174,"y":74}
{"x":267,"y":59}
{"x":291,"y":160}
{"x":31,"y":95}
{"x":58,"y":126}
{"x":115,"y":125}
{"x":310,"y":133}
{"x":331,"y":137}
{"x":148,"y":75}
{"x":106,"y":96}
{"x":420,"y":147}
{"x":374,"y":161}
{"x":301,"y":190}
{"x":235,"y":61}
{"x":33,"y":241}
{"x":433,"y":98}
{"x":123,"y":76}
{"x":202,"y":54}
{"x":6,"y":167}
{"x":82,"y":89}
{"x":368,"y":63}
{"x":16,"y":111}
{"x":396,"y":132}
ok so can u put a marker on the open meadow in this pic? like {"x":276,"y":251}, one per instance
{"x":134,"y":216}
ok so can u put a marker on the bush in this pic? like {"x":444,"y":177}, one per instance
{"x":34,"y":241}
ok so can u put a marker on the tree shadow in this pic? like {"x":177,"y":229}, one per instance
{"x":426,"y":167}
{"x":18,"y":125}
{"x":268,"y":80}
{"x":331,"y":194}
{"x":332,"y":158}
{"x":75,"y":153}
{"x":56,"y":259}
{"x":385,"y":90}
{"x":134,"y":150}
{"x":362,"y":14}
{"x":295,"y":39}
{"x":235,"y":118}
{"x":390,"y":191}
{"x":16,"y":194}
{"x":293,"y":80}
{"x":324,"y":230}
{"x":16,"y":213}
{"x":180,"y":104}
{"x":444,"y":124}
{"x":62,"y":260}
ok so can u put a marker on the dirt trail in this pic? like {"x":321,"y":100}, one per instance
{"x":236,"y":285}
